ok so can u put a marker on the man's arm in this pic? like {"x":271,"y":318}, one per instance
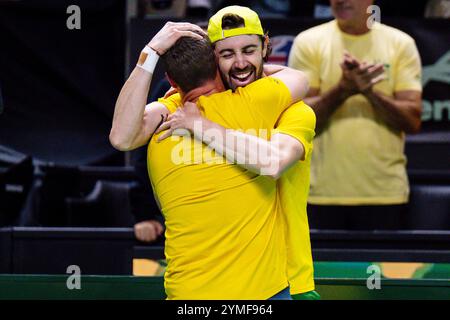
{"x":401,"y":112}
{"x":270,"y":69}
{"x":133,"y":123}
{"x":325,"y":104}
{"x":271,"y":158}
{"x":258,"y":155}
{"x":296,"y":81}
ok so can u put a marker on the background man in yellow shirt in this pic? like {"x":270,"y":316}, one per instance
{"x":365,"y":89}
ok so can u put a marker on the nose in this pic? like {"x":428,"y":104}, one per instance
{"x":240,"y":61}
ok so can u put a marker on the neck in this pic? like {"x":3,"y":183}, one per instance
{"x":208,"y":88}
{"x":353,"y":28}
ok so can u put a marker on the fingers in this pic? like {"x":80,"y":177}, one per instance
{"x":188,"y":34}
{"x":372,"y":72}
{"x":354,"y":62}
{"x":139,"y":234}
{"x":349,"y":64}
{"x":363,"y":67}
{"x":371,"y":82}
{"x":375,"y":67}
{"x":349,"y":61}
{"x":170,"y":92}
{"x":165,"y":135}
{"x":363,"y":74}
{"x":171,"y":32}
{"x":166,"y":125}
{"x":189,"y":106}
{"x":183,"y":26}
{"x":158,"y":227}
{"x":375,"y":70}
{"x":145,"y":231}
{"x":377,"y":79}
{"x":186,"y":29}
{"x":149,"y":233}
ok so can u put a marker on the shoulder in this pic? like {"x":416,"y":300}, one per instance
{"x":156,"y":107}
{"x":299,"y":113}
{"x":262,"y":82}
{"x":219,"y":97}
{"x":172,"y":102}
{"x":395,"y":35}
{"x":261,"y":85}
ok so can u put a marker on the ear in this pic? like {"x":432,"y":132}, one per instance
{"x":219,"y":82}
{"x":172,"y":83}
{"x":265,"y":46}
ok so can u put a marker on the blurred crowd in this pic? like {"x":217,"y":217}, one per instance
{"x":202,"y":9}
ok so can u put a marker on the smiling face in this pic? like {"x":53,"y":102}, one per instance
{"x":240,"y":60}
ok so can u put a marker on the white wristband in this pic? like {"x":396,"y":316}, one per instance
{"x":148,"y":59}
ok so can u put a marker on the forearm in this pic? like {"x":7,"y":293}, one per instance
{"x":402,"y":115}
{"x":129,"y":109}
{"x":256,"y":154}
{"x":133,"y":125}
{"x":325,"y":105}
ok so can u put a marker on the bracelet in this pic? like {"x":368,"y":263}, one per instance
{"x":148,"y":59}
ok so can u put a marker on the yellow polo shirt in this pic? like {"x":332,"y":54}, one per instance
{"x":224,"y":238}
{"x":299,"y":122}
{"x":357,"y":158}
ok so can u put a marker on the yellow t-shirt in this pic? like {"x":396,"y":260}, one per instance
{"x":224,"y":239}
{"x":297,"y":121}
{"x":357,"y":158}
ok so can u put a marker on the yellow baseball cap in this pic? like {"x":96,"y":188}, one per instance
{"x":252,"y":25}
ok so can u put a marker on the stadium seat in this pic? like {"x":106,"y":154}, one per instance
{"x":429,"y":177}
{"x":16,"y":175}
{"x":108,"y":205}
{"x":428,"y":151}
{"x":58,"y":183}
{"x":429,"y":207}
{"x":5,"y":250}
{"x":89,"y":175}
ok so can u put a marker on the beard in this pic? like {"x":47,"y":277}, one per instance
{"x":241,"y":77}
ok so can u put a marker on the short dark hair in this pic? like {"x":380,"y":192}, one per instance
{"x":190,"y":62}
{"x":233,"y":21}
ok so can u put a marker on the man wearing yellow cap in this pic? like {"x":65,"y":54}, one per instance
{"x":241,"y":47}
